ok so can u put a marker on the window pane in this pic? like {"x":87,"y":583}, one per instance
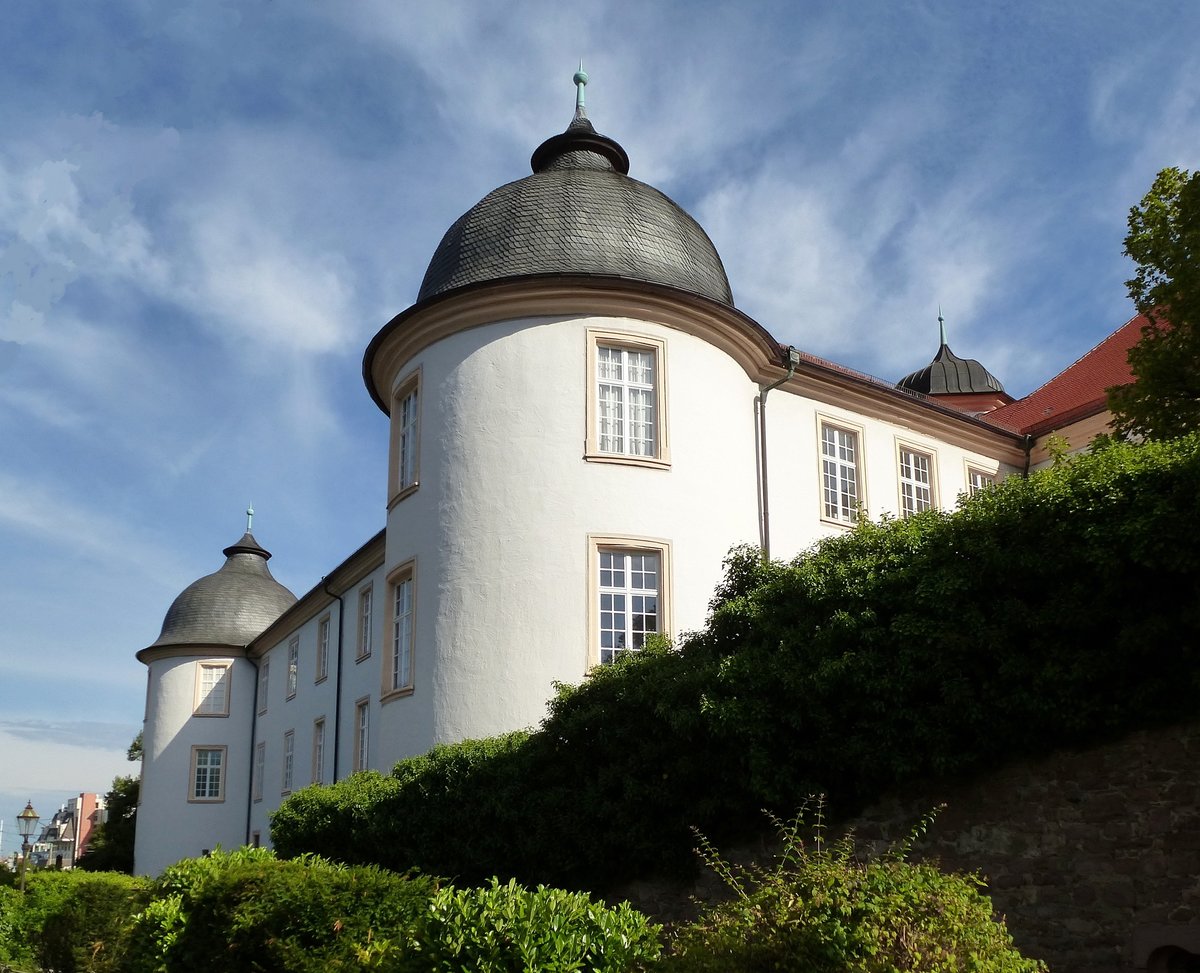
{"x":626,"y":401}
{"x":628,"y":600}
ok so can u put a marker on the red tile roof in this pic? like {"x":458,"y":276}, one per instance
{"x":1078,"y":390}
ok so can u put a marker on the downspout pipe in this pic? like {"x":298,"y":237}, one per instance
{"x":253,"y":744}
{"x":1028,"y":454}
{"x":337,"y":685}
{"x":793,"y":358}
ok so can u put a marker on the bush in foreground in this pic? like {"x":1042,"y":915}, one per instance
{"x":821,"y":909}
{"x":69,"y":921}
{"x":244,"y":911}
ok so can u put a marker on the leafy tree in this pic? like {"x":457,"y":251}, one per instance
{"x":1163,"y":401}
{"x":111,"y":847}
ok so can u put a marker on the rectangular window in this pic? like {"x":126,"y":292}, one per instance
{"x":979,"y":480}
{"x":260,"y":767}
{"x":839,"y":474}
{"x":625,"y":394}
{"x":264,"y":675}
{"x":362,"y":726}
{"x":916,"y":481}
{"x":406,"y":467}
{"x":318,"y":751}
{"x":289,"y":760}
{"x":630,"y":585}
{"x":364,"y":622}
{"x":405,"y":439}
{"x":293,"y":672}
{"x":208,"y":774}
{"x":212,"y":689}
{"x":400,"y":651}
{"x":322,"y":649}
{"x":626,"y":400}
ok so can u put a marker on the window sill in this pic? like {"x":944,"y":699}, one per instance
{"x":392,"y":694}
{"x":408,"y":491}
{"x":621,"y":459}
{"x":211,"y":716}
{"x":206,"y":800}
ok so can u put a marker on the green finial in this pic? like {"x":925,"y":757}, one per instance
{"x":249,"y":517}
{"x":581,"y":79}
{"x":941,"y":324}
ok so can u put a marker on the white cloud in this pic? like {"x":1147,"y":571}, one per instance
{"x":51,"y":516}
{"x":245,"y":279}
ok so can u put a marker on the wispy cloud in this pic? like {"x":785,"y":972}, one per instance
{"x":84,"y":734}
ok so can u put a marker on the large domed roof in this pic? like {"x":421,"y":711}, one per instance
{"x":231,"y":606}
{"x":579,"y":213}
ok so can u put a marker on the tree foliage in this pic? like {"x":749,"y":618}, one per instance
{"x":111,"y":846}
{"x":1044,"y":613}
{"x":1163,"y":401}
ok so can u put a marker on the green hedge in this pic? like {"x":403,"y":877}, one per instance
{"x":68,"y":921}
{"x":243,"y":911}
{"x":247,"y":911}
{"x":1054,"y":611}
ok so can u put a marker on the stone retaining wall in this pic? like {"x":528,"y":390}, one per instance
{"x":1093,"y":857}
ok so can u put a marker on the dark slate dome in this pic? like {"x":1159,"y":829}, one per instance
{"x":948,"y":374}
{"x":231,"y":606}
{"x":579,"y":213}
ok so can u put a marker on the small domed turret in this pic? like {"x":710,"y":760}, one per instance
{"x":964,"y":382}
{"x":231,"y":606}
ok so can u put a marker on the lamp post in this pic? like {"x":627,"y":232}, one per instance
{"x":27,"y":822}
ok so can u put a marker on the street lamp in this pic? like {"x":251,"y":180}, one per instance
{"x":27,"y":822}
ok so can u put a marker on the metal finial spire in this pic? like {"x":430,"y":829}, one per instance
{"x":941,"y":324}
{"x":581,"y":80}
{"x":249,"y":517}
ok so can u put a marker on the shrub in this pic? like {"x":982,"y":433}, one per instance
{"x":823,"y":910}
{"x":1043,"y":613}
{"x":247,"y":911}
{"x":509,"y":928}
{"x":68,"y":921}
{"x":250,"y":911}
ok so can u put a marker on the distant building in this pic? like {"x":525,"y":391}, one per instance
{"x":581,"y":428}
{"x":65,"y":837}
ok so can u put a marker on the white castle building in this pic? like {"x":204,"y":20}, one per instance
{"x":580,"y":422}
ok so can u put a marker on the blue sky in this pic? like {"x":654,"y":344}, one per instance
{"x":207,"y":209}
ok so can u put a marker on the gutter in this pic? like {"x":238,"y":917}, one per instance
{"x":793,"y":357}
{"x":337,"y":680}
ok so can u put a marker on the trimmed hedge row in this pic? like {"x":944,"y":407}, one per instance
{"x":819,"y":909}
{"x":1051,"y":611}
{"x":68,"y":921}
{"x":248,"y":911}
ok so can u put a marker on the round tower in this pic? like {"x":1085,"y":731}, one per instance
{"x":200,"y":710}
{"x":572,"y":442}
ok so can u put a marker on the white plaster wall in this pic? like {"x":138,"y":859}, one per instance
{"x":499,"y":525}
{"x":794,"y":466}
{"x":169,"y":826}
{"x":314,"y":700}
